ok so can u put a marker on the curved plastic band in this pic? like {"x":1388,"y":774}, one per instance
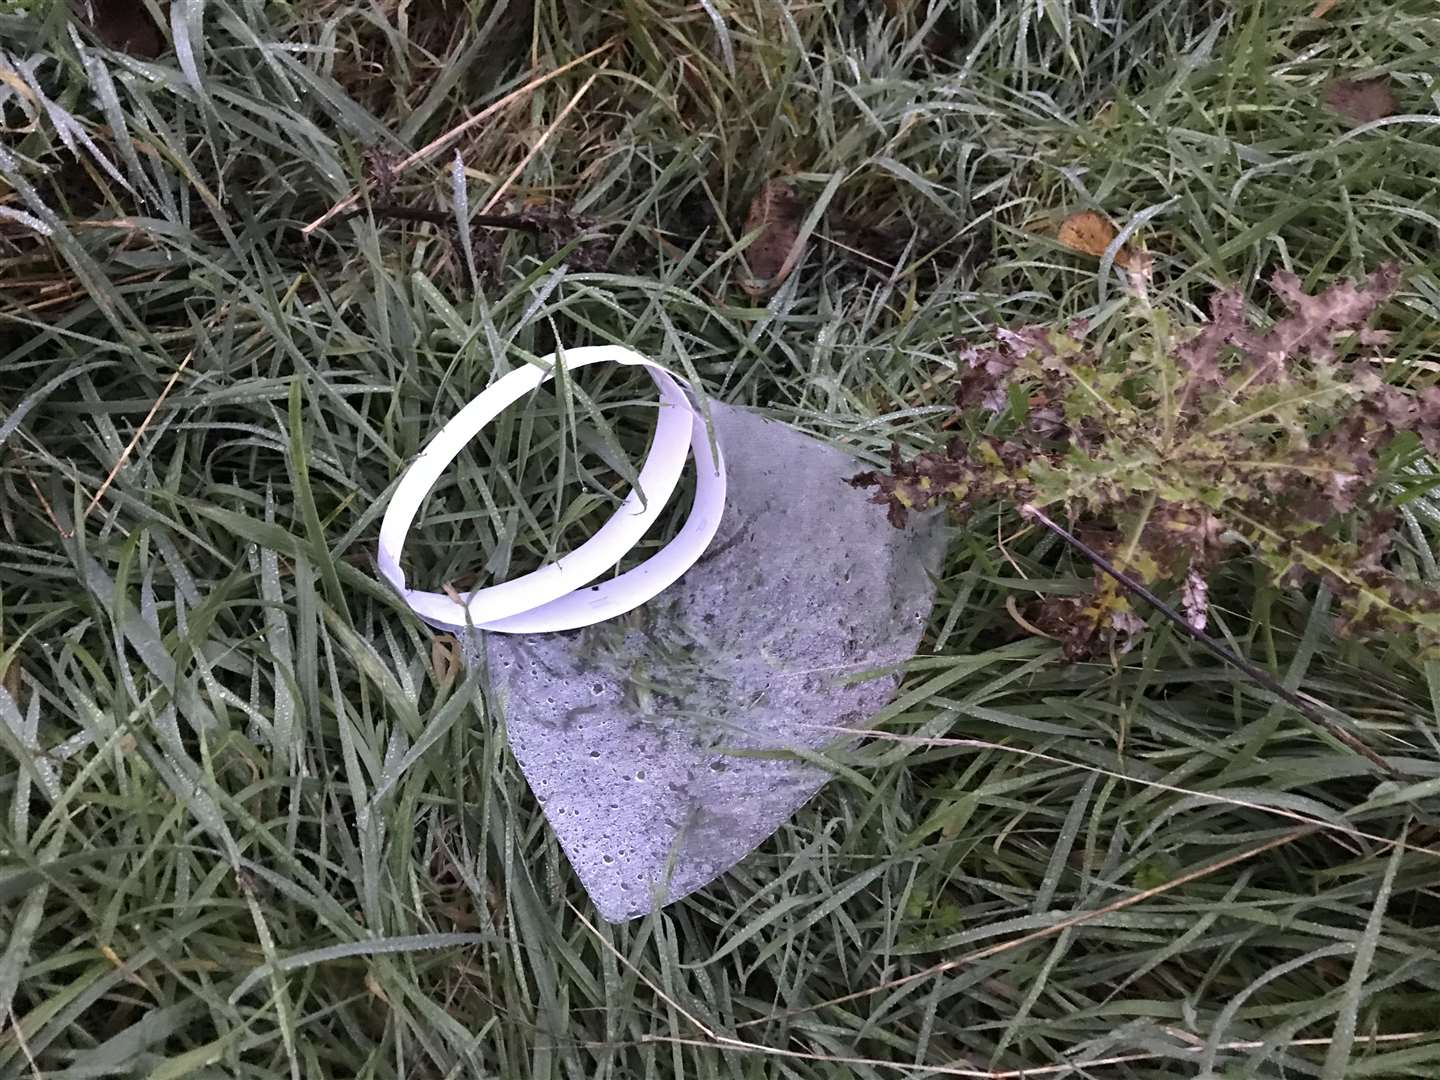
{"x":555,"y":597}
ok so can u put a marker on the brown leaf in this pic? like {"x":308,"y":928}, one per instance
{"x":1091,"y":233}
{"x":1089,"y":626}
{"x":10,"y":680}
{"x":1323,"y":8}
{"x":1362,"y":100}
{"x":773,"y":254}
{"x":1200,"y":356}
{"x":1195,"y":599}
{"x":1184,"y":538}
{"x":376,"y":990}
{"x":990,"y":369}
{"x":1315,"y":321}
{"x":380,"y":168}
{"x":444,"y":658}
{"x":125,"y":25}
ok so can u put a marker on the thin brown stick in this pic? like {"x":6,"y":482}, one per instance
{"x":1309,"y":708}
{"x":686,"y":1013}
{"x":1051,"y":930}
{"x":54,"y":301}
{"x":65,"y":534}
{"x":24,"y":1046}
{"x":1137,"y":898}
{"x":1024,"y":623}
{"x":713,"y":1038}
{"x":1332,"y":827}
{"x":443,"y":218}
{"x":729,"y":1042}
{"x":144,"y":424}
{"x":540,"y":142}
{"x":1030,"y":1072}
{"x":434,"y":147}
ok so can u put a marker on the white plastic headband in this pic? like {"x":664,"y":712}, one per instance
{"x":554,"y":597}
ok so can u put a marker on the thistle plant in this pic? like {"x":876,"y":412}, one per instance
{"x":1173,"y":448}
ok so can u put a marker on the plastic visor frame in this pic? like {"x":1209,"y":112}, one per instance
{"x":556,"y":596}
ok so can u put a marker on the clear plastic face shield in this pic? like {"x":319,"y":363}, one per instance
{"x":662,"y":716}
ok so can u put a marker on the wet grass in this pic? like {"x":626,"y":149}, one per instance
{"x":260,"y":823}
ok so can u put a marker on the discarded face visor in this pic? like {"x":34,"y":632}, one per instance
{"x":663,"y":716}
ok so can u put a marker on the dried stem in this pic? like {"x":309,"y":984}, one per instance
{"x":1229,"y":656}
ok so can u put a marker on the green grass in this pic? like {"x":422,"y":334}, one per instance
{"x":257,"y":825}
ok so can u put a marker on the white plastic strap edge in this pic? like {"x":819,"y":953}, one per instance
{"x":555,"y":597}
